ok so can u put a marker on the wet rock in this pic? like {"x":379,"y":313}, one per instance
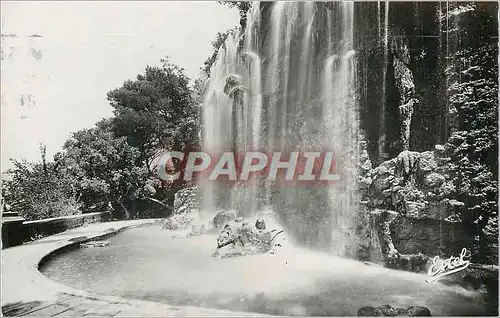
{"x":405,"y":115}
{"x":427,"y":162}
{"x":434,"y":179}
{"x":447,"y":210}
{"x":387,"y":310}
{"x":369,"y":311}
{"x":401,"y":312}
{"x":439,"y":151}
{"x":222,"y":217}
{"x":419,"y":311}
{"x":233,"y":85}
{"x":415,"y":209}
{"x":178,"y":221}
{"x":407,"y":161}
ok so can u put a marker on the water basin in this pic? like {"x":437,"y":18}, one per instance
{"x":147,"y":263}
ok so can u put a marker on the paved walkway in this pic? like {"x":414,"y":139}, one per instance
{"x":27,"y":292}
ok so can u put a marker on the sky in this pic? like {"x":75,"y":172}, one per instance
{"x":56,"y":84}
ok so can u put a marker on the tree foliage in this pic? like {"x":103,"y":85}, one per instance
{"x":40,"y":190}
{"x":243,"y":7}
{"x":219,"y":41}
{"x":156,"y":111}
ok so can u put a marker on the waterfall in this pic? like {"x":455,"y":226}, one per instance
{"x":304,"y":74}
{"x":382,"y":137}
{"x":341,"y":110}
{"x":378,"y":19}
{"x":255,"y":75}
{"x":264,"y":93}
{"x":273,"y":71}
{"x":220,"y":126}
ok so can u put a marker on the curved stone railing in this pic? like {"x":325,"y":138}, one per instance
{"x":17,"y":233}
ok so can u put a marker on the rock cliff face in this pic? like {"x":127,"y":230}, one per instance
{"x":427,"y":201}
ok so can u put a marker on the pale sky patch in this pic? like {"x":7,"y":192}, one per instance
{"x":56,"y":84}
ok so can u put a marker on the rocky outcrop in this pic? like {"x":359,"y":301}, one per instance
{"x":417,"y":185}
{"x":185,"y":212}
{"x":405,"y":86}
{"x":409,"y":202}
{"x":186,"y":200}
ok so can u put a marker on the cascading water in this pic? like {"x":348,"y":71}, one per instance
{"x":304,"y":74}
{"x":341,"y":110}
{"x":265,"y":94}
{"x":219,"y":124}
{"x":382,"y":136}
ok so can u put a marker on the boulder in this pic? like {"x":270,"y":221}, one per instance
{"x":419,"y":311}
{"x":369,"y":311}
{"x":387,"y":310}
{"x":178,"y":221}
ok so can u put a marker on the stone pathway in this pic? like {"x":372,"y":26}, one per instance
{"x":27,"y":292}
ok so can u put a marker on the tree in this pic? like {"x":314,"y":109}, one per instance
{"x":156,"y":111}
{"x":105,"y":167}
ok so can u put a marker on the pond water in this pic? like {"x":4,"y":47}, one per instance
{"x":147,"y":263}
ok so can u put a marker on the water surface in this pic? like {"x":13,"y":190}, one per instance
{"x":147,"y":263}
